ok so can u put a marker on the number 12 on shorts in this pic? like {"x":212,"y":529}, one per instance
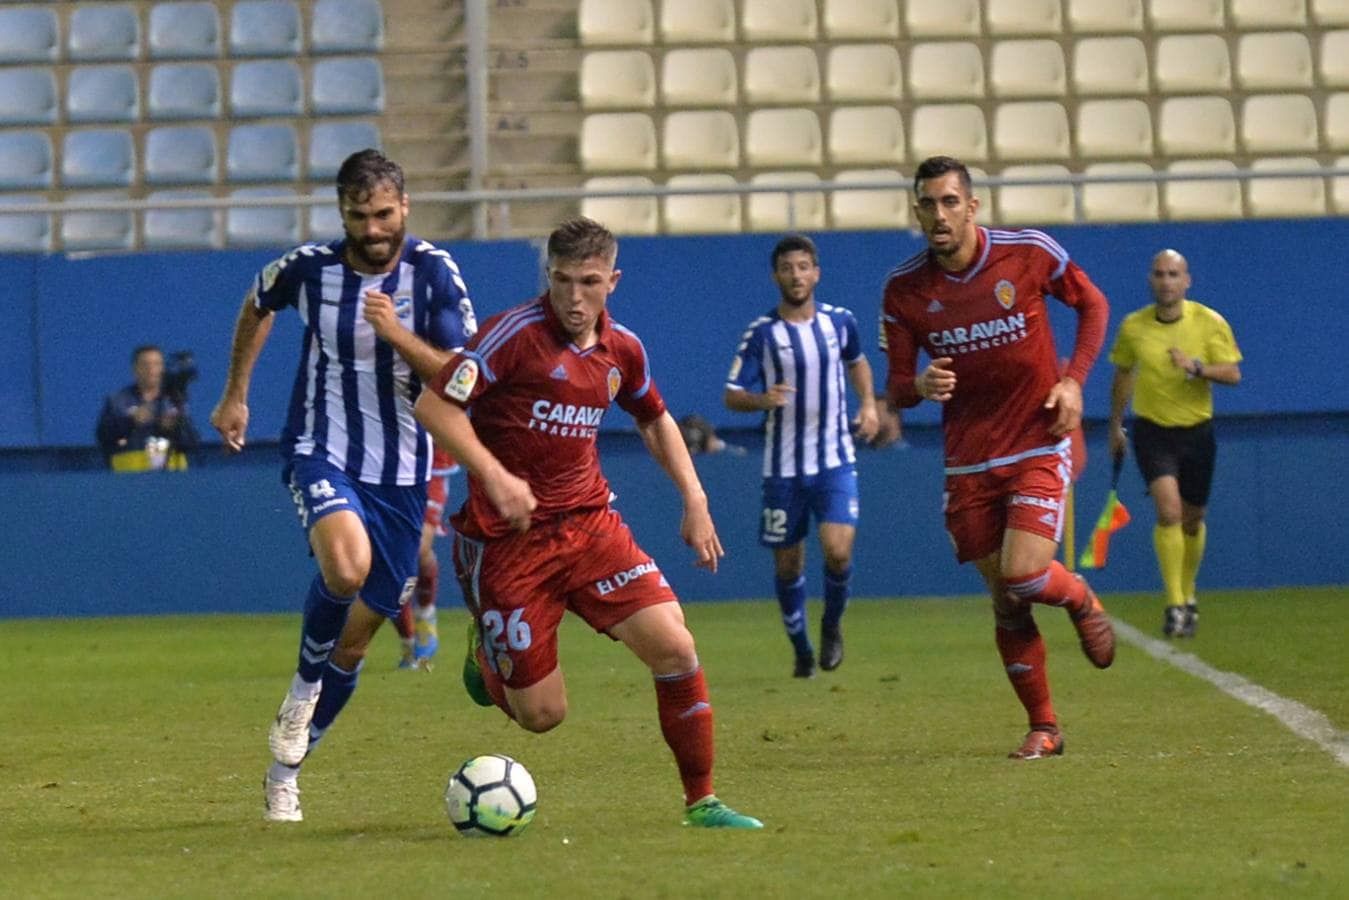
{"x":774,"y":525}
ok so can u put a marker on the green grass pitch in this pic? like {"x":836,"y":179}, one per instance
{"x":132,"y":751}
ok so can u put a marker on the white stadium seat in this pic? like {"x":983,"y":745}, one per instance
{"x":982,"y":192}
{"x":1105,"y":16}
{"x":1279,"y":123}
{"x":25,"y":232}
{"x":1268,"y":13}
{"x":1191,"y":63}
{"x":1006,"y":17}
{"x":615,"y":22}
{"x":702,"y":213}
{"x":1339,"y":187}
{"x":700,"y":140}
{"x":1033,"y":68}
{"x":1036,"y":204}
{"x":1032,"y":130}
{"x":98,"y":157}
{"x":98,"y":230}
{"x":1274,"y":60}
{"x":949,"y":129}
{"x":946,"y":70}
{"x":616,"y":142}
{"x":864,"y":72}
{"x":1337,"y":122}
{"x":794,"y":211}
{"x":697,"y":22}
{"x":1334,"y":70}
{"x":783,"y":137}
{"x":262,"y":226}
{"x":1110,"y":129}
{"x":866,"y":135}
{"x":781,"y":75}
{"x":180,"y":229}
{"x":699,"y":77}
{"x":1133,"y":201}
{"x":872,"y":208}
{"x":777,"y":20}
{"x":1114,"y":65}
{"x":1195,"y":126}
{"x":866,"y":20}
{"x":1286,"y":197}
{"x":1211,"y":199}
{"x":1331,"y":12}
{"x":617,"y":79}
{"x":622,"y":215}
{"x":942,"y":18}
{"x":1186,"y":15}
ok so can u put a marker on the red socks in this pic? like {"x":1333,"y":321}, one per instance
{"x":428,"y":580}
{"x":1054,"y":586}
{"x":686,"y":721}
{"x":1023,"y":656}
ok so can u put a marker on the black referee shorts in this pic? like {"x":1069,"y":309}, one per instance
{"x":1186,"y":453}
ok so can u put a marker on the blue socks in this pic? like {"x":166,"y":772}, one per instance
{"x":338,"y":686}
{"x":792,"y":602}
{"x":324,"y":616}
{"x":835,"y":596}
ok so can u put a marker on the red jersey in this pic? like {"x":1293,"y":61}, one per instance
{"x":991,"y":320}
{"x":537,"y":400}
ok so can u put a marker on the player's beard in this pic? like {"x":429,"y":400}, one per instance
{"x":386,"y":249}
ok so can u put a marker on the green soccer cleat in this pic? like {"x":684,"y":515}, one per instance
{"x":474,"y":682}
{"x":710,"y":812}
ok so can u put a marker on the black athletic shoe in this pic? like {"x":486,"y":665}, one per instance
{"x":1174,"y":625}
{"x":805,"y":667}
{"x":831,"y":648}
{"x":1191,"y":620}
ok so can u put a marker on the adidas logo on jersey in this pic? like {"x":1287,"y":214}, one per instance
{"x":935,"y":306}
{"x":1049,"y":519}
{"x":560,"y":373}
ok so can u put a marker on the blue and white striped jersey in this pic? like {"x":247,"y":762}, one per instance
{"x":353,"y":394}
{"x":810,"y":434}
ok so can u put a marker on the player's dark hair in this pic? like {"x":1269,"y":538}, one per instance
{"x":935,"y":166}
{"x":365,"y":170}
{"x":580,"y":239}
{"x":144,"y":348}
{"x":793,"y":242}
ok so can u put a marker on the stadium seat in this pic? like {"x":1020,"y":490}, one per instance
{"x":1268,"y":13}
{"x":324,"y":220}
{"x":982,"y":192}
{"x":1195,"y":126}
{"x":1334,"y":69}
{"x":98,"y":32}
{"x":865,"y":20}
{"x":1185,"y":15}
{"x":264,"y":28}
{"x":781,"y":75}
{"x":699,"y":77}
{"x":617,"y":79}
{"x":789,"y":210}
{"x":1105,"y":16}
{"x":1339,"y":187}
{"x":266,"y":87}
{"x":184,"y":30}
{"x":25,"y":232}
{"x":615,"y":22}
{"x":1007,"y":17}
{"x":783,"y":137}
{"x":262,"y":226}
{"x":946,"y":70}
{"x":871,"y":208}
{"x":1211,"y":199}
{"x":1115,"y":65}
{"x":183,"y":91}
{"x":1274,"y":60}
{"x":28,"y":34}
{"x":700,"y":140}
{"x":866,"y":135}
{"x":1032,"y":68}
{"x":330,"y":143}
{"x":778,"y":20}
{"x":623,"y":215}
{"x":1285,"y":197}
{"x":346,"y":26}
{"x":262,"y":153}
{"x":26,"y":160}
{"x":702,"y":213}
{"x":614,"y":142}
{"x":1032,"y":129}
{"x":180,"y":229}
{"x":698,"y":22}
{"x":864,"y":72}
{"x":942,"y":18}
{"x":1036,"y":204}
{"x":180,"y":155}
{"x":1330,"y":13}
{"x":1133,"y":201}
{"x":98,"y":157}
{"x":348,"y":86}
{"x":1279,"y":123}
{"x":949,"y":129}
{"x":1109,"y":129}
{"x":27,"y":96}
{"x":1337,"y":122}
{"x":102,"y":94}
{"x":1191,"y":63}
{"x":97,"y":230}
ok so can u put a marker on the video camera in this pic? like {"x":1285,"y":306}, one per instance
{"x":180,"y":370}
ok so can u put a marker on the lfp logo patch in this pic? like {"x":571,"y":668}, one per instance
{"x":461,"y":383}
{"x":615,"y":381}
{"x":1005,"y":292}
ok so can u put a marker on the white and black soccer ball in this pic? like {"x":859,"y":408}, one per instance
{"x":491,"y":796}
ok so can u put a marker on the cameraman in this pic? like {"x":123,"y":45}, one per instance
{"x":145,"y":425}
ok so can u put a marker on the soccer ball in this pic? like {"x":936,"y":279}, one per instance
{"x":491,"y":796}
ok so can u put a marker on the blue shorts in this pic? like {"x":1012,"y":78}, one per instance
{"x":789,"y":502}
{"x":392,"y":515}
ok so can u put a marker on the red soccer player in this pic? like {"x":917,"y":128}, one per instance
{"x":974,"y":301}
{"x":537,"y":536}
{"x":416,"y":621}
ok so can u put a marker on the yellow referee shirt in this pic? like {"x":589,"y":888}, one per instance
{"x":1164,"y":394}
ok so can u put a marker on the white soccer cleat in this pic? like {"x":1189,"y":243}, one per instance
{"x":288,"y":737}
{"x":283,"y":801}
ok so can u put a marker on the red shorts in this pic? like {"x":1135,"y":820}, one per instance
{"x":520,"y":585}
{"x":1027,"y":495}
{"x":437,"y":492}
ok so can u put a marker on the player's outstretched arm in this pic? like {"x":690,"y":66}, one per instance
{"x":666,"y":445}
{"x":230,"y":416}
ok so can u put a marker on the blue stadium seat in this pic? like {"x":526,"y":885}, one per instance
{"x":101,"y":230}
{"x":266,"y":87}
{"x":184,"y":30}
{"x":332,"y":142}
{"x":180,"y":229}
{"x":103,"y":32}
{"x":266,"y":226}
{"x":264,"y":28}
{"x":28,"y":34}
{"x":25,"y":160}
{"x":325,"y":221}
{"x":262,"y":153}
{"x":27,"y":96}
{"x":183,"y":91}
{"x":346,"y":26}
{"x":180,"y":155}
{"x":98,"y":157}
{"x":102,"y":94}
{"x":348,"y":86}
{"x":25,"y":232}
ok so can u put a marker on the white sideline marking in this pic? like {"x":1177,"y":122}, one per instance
{"x":1302,"y":720}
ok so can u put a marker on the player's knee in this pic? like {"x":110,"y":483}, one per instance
{"x":345,"y":579}
{"x":676,"y":656}
{"x":541,"y":717}
{"x":837,"y":560}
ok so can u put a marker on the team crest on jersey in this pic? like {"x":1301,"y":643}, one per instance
{"x":1005,"y":292}
{"x":615,"y":381}
{"x":402,"y":303}
{"x":505,"y":665}
{"x":461,"y":383}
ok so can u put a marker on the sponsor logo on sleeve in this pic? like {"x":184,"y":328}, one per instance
{"x":461,"y":383}
{"x":735,"y":370}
